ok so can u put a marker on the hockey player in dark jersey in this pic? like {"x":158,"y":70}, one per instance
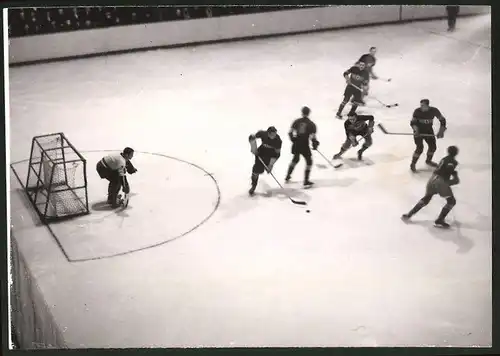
{"x":356,"y":125}
{"x":301,"y":131}
{"x":440,"y":183}
{"x":356,"y":78}
{"x":269,"y":151}
{"x":421,"y":123}
{"x":452,"y":11}
{"x":370,"y":61}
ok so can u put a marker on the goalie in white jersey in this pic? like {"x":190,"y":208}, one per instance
{"x":114,"y":168}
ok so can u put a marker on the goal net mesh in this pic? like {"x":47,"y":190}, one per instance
{"x":56,"y":182}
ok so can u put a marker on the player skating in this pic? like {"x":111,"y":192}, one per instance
{"x":370,"y":60}
{"x":422,"y":125}
{"x":301,"y":131}
{"x":356,"y":78}
{"x":114,"y":168}
{"x":357,"y":125}
{"x":266,"y":154}
{"x":440,"y":183}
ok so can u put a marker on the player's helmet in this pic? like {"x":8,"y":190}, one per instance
{"x":453,"y":151}
{"x":271,"y":129}
{"x":306,"y":111}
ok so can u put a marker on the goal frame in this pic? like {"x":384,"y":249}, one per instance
{"x":42,"y":187}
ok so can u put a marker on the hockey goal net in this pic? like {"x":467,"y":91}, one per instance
{"x":57,"y":178}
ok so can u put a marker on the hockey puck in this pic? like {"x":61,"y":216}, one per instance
{"x":308,"y":211}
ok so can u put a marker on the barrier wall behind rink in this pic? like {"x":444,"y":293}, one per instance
{"x":164,"y":34}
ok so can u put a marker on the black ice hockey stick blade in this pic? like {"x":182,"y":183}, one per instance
{"x":382,"y":128}
{"x":298,"y":202}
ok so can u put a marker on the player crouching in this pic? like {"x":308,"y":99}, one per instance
{"x":266,"y":154}
{"x":301,"y":131}
{"x":114,"y":168}
{"x":440,"y":183}
{"x":356,"y":125}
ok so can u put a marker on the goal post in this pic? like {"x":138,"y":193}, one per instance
{"x":56,"y":183}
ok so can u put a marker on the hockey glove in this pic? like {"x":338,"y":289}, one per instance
{"x":126,"y":188}
{"x":269,"y":168}
{"x":370,"y":130}
{"x":454,"y":179}
{"x":441,"y":131}
{"x":315,"y":144}
{"x":253,"y":145}
{"x":415,"y":131}
{"x":130,"y":168}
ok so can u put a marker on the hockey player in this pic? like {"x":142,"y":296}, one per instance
{"x":440,"y":183}
{"x":269,"y":151}
{"x":452,"y":12}
{"x":356,"y":78}
{"x":370,"y":61}
{"x":301,"y":131}
{"x":114,"y":168}
{"x":356,"y":125}
{"x":421,"y":123}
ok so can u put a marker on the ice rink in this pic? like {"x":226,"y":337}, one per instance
{"x":194,"y":261}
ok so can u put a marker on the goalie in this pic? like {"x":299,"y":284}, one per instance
{"x":114,"y":168}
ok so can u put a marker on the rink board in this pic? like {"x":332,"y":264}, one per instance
{"x":199,"y":31}
{"x":313,"y":279}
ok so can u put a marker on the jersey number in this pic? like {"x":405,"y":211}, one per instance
{"x":302,"y":129}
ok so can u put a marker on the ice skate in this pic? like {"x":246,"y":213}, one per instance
{"x":360,"y":155}
{"x":442,"y":224}
{"x":308,"y":184}
{"x":431,"y":163}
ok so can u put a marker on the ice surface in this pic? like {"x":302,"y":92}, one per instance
{"x":349,"y":273}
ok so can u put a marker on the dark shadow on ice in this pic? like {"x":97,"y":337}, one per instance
{"x":454,"y":234}
{"x":101,"y":206}
{"x":327,"y":183}
{"x":104,"y":206}
{"x":368,"y":160}
{"x":283,"y":193}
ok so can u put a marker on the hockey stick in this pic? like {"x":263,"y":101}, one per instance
{"x":338,"y":165}
{"x":384,"y":104}
{"x":298,"y":202}
{"x":384,"y":130}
